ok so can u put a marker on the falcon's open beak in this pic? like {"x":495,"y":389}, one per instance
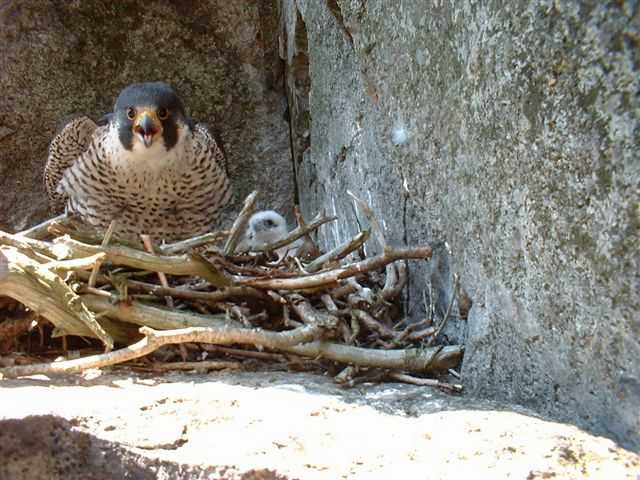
{"x":147,"y":126}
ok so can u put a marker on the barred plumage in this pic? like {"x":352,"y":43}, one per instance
{"x":164,"y":179}
{"x":71,"y":142}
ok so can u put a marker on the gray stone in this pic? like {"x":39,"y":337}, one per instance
{"x":65,"y":58}
{"x":270,"y":425}
{"x":505,"y":134}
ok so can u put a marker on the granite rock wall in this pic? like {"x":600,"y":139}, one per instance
{"x":63,"y":58}
{"x":506,"y":135}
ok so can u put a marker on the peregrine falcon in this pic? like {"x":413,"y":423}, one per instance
{"x":146,"y":165}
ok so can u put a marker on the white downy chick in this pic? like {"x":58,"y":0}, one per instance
{"x":267,"y":227}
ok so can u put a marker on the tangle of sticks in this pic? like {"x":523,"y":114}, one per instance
{"x":335,"y":307}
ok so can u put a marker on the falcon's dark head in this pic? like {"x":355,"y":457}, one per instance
{"x":145,"y":113}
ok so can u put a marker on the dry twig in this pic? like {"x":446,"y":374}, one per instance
{"x":299,"y":232}
{"x":339,"y":252}
{"x":129,"y":257}
{"x":154,"y":339}
{"x":191,"y":243}
{"x":98,"y":263}
{"x":331,"y":277}
{"x":148,"y":246}
{"x":202,"y":365}
{"x":448,"y":387}
{"x":41,"y":231}
{"x":240,"y":224}
{"x":373,"y":221}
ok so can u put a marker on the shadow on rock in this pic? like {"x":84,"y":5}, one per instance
{"x":49,"y":447}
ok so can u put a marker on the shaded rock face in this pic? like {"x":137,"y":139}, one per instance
{"x":506,"y":135}
{"x":60,"y":59}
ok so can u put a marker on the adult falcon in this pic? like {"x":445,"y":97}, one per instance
{"x":146,"y":166}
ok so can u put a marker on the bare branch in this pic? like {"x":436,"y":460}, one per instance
{"x":203,"y":365}
{"x":372,"y":324}
{"x":154,"y":339}
{"x":429,"y":382}
{"x":217,"y":296}
{"x":172,"y":264}
{"x":46,"y":293}
{"x":328,"y":302}
{"x":153,"y":316}
{"x":148,"y":246}
{"x":395,"y":281}
{"x":83,"y":234}
{"x":339,"y":252}
{"x":244,"y":353}
{"x":41,"y":231}
{"x":86,"y":263}
{"x":310,"y":315}
{"x":30,"y":247}
{"x":415,"y":360}
{"x":105,"y":242}
{"x":373,"y":221}
{"x":240,"y":224}
{"x":190,"y":243}
{"x":332,"y":276}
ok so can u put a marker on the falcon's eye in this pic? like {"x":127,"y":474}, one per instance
{"x":131,"y":113}
{"x":163,"y":113}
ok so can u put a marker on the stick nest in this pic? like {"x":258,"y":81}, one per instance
{"x":289,"y":303}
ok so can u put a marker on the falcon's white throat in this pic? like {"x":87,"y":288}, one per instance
{"x":142,"y":158}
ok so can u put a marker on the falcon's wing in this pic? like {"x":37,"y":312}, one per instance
{"x":212,"y":136}
{"x":210,"y":167}
{"x":66,"y":147}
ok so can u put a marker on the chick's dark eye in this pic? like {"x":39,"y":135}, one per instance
{"x":163,"y":113}
{"x":131,"y":113}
